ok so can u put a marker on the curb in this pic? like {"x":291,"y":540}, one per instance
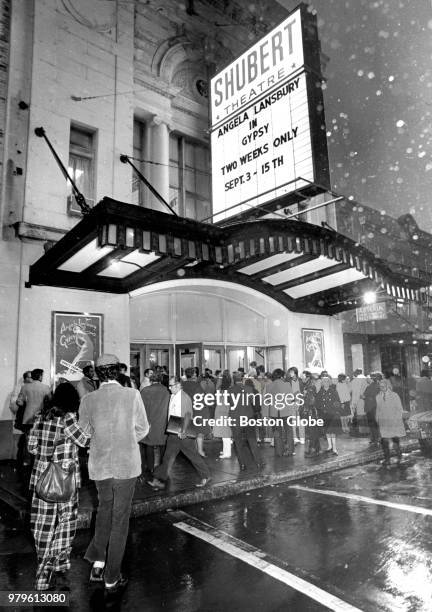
{"x":233,"y":487}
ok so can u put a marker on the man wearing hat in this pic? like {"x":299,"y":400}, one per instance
{"x":117,"y":421}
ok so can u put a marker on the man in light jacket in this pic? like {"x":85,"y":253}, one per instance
{"x":117,"y":420}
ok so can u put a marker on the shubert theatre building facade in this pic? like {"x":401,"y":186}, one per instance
{"x":197,"y":282}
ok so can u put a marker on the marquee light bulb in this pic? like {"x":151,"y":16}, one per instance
{"x":369,"y":297}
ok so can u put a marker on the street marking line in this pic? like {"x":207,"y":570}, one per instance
{"x":369,"y":500}
{"x":253,"y":556}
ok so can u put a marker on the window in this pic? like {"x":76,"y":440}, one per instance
{"x":140,"y":193}
{"x":81,"y":166}
{"x":190,"y":182}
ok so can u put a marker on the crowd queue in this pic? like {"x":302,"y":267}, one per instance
{"x":136,"y":431}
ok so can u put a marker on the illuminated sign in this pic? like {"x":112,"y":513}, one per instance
{"x":264,"y":65}
{"x":268,"y":133}
{"x":372,"y":312}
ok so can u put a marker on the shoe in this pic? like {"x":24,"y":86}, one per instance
{"x":96,"y":574}
{"x":335,"y":452}
{"x":45,"y":580}
{"x":117,"y":587}
{"x":156,"y":484}
{"x":224,"y":456}
{"x":203,"y":482}
{"x":62,"y":580}
{"x":302,"y":440}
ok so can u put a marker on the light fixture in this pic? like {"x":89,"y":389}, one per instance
{"x":401,"y":341}
{"x":369,"y":297}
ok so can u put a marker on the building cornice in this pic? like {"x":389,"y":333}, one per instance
{"x":33,"y":231}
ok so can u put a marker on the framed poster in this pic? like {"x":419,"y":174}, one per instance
{"x":77,"y":340}
{"x":313,"y":349}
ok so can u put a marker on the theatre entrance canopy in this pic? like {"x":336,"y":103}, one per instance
{"x":121,"y":247}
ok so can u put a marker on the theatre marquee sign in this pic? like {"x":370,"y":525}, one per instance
{"x":268,"y":131}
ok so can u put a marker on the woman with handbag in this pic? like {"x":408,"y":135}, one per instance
{"x":54,"y":482}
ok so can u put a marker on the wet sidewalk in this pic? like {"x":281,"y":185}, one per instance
{"x":227,"y":479}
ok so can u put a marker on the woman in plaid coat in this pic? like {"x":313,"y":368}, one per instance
{"x":54,"y":524}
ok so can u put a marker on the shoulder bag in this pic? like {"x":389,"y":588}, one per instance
{"x":56,"y":484}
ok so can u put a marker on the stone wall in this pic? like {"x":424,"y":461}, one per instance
{"x":4,"y":70}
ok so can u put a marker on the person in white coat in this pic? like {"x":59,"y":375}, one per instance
{"x":389,"y":418}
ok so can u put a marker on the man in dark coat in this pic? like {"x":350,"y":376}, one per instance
{"x":156,"y":401}
{"x":244,"y":437}
{"x":370,"y":405}
{"x":180,"y":405}
{"x":192,"y":387}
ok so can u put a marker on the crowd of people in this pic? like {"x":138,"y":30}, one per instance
{"x":136,"y":431}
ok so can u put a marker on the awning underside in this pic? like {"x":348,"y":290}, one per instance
{"x":120,"y":247}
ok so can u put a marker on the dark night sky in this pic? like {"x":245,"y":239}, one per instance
{"x":378,"y":101}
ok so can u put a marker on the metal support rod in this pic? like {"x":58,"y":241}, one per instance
{"x":125,"y":160}
{"x":80,"y":199}
{"x":306,"y":210}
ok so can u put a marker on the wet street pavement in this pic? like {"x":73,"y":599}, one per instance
{"x":356,"y":539}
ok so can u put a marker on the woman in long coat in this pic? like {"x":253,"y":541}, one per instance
{"x":389,"y":418}
{"x":309,"y":409}
{"x":54,"y":524}
{"x":328,"y":405}
{"x":223,"y":410}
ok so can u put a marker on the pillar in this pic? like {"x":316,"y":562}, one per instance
{"x":412,"y":361}
{"x":159,"y":138}
{"x":374,"y":355}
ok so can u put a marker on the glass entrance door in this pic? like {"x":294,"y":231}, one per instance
{"x":214,"y":358}
{"x":276,"y":358}
{"x":189,"y":356}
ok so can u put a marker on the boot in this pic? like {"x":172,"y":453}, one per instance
{"x":397,"y":448}
{"x":308,"y":448}
{"x":386,"y":450}
{"x":226,"y":448}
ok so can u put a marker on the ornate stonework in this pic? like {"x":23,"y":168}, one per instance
{"x":100,"y":16}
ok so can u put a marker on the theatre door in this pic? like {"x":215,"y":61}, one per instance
{"x":189,"y":355}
